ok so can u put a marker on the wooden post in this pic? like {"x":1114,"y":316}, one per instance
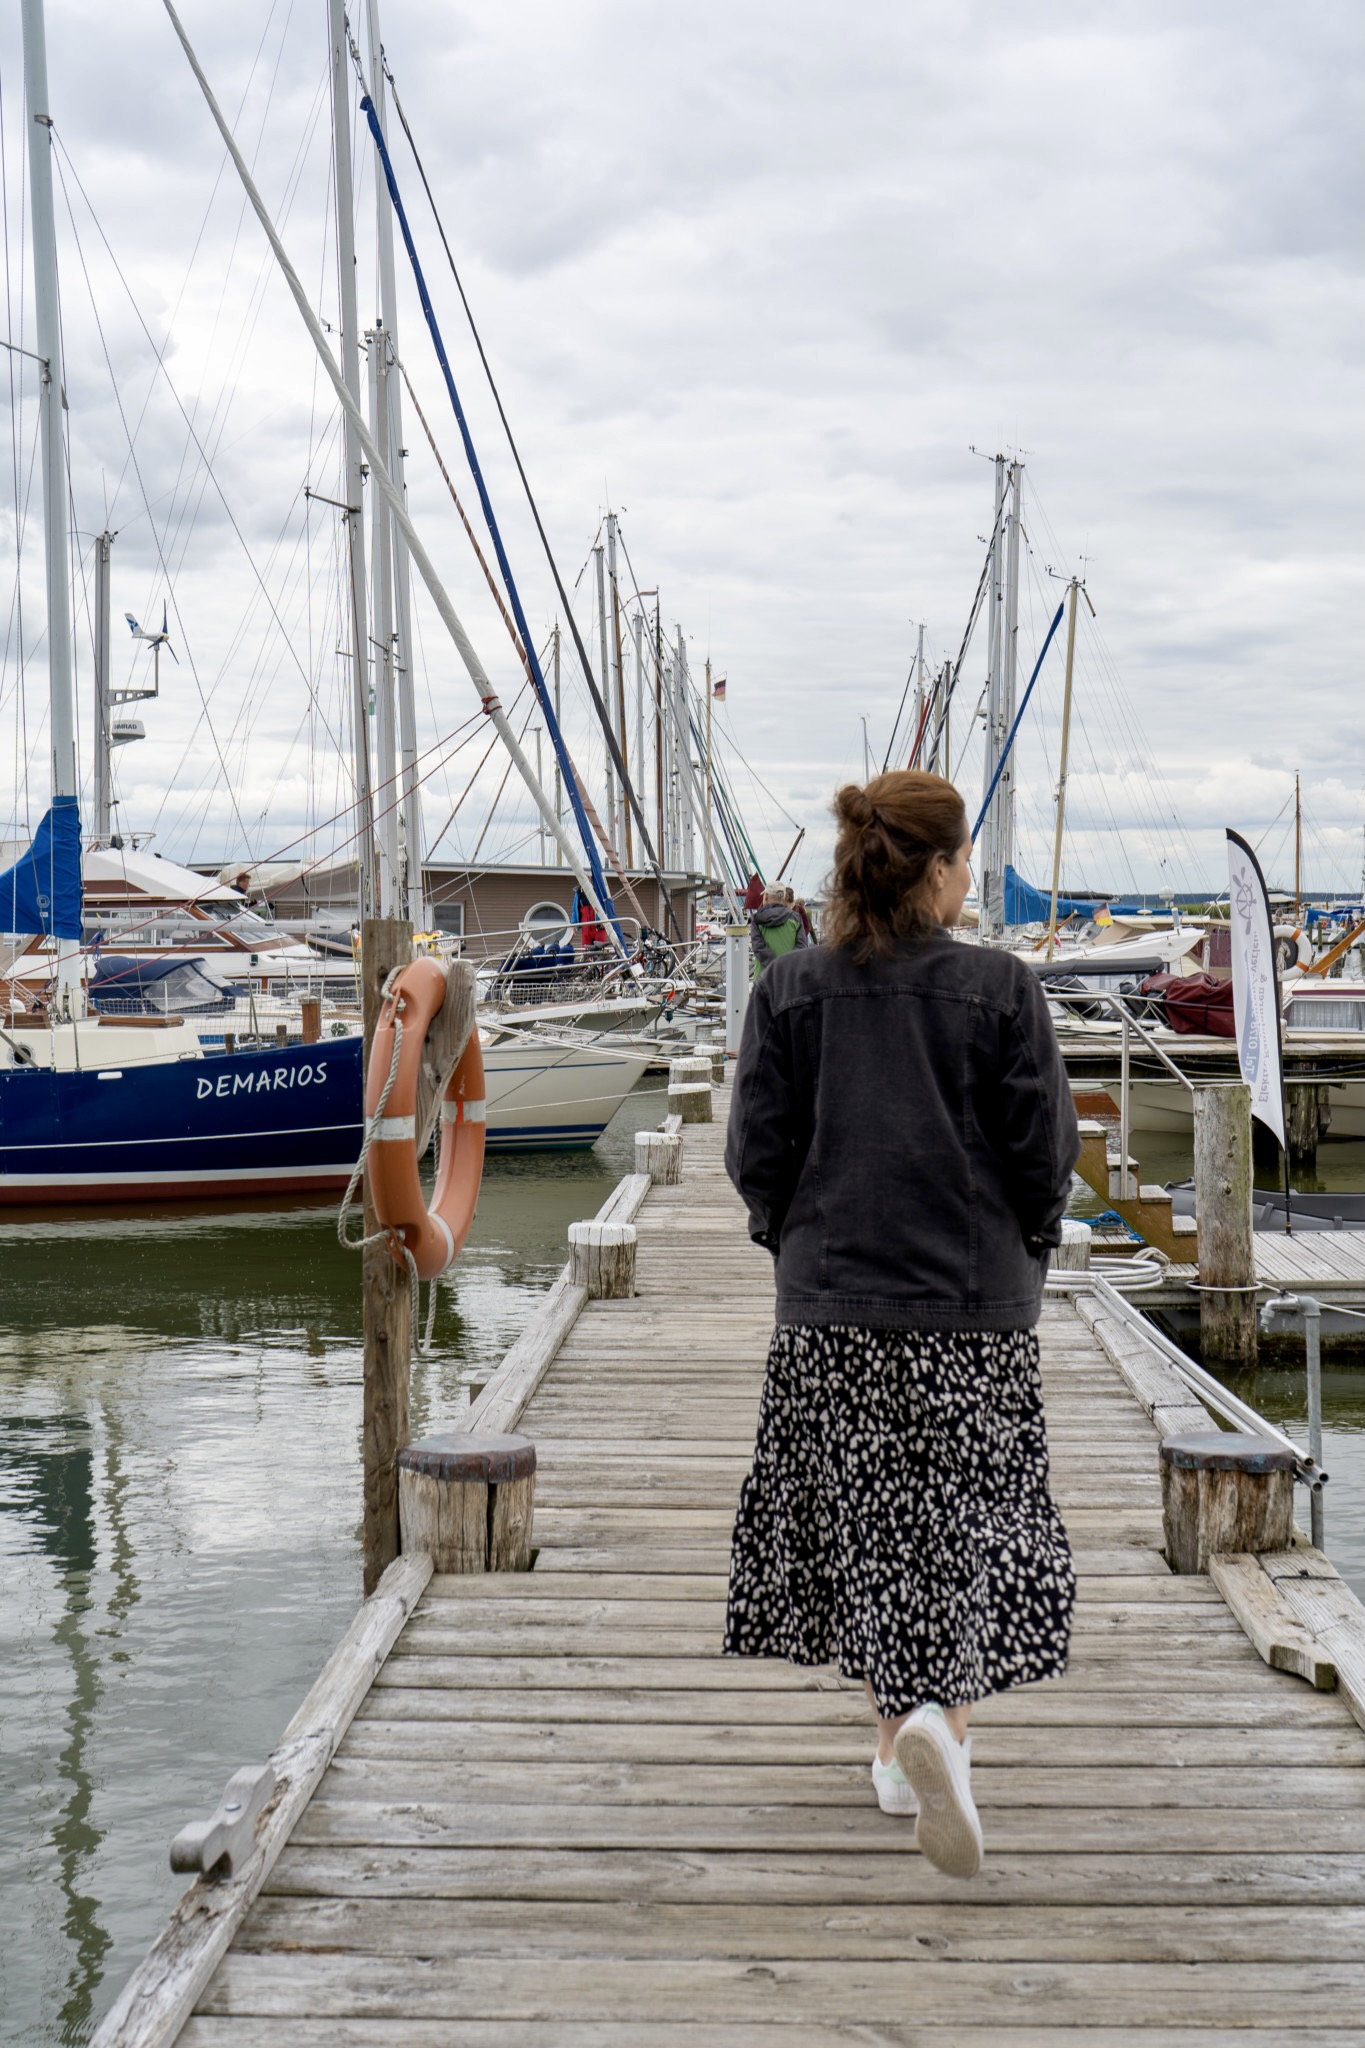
{"x":1225,"y":1245}
{"x":660,"y":1155}
{"x":691,"y":1100}
{"x":281,"y":1034}
{"x":1072,"y":1255}
{"x":385,"y":943}
{"x":1304,"y":1123}
{"x":690,"y":1067}
{"x":469,"y":1501}
{"x":1223,"y":1492}
{"x":720,"y":1070}
{"x":602,"y":1259}
{"x":311,"y":1011}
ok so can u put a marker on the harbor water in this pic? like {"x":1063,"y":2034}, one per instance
{"x":179,"y":1506}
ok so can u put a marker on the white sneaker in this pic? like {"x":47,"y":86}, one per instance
{"x":938,"y":1768}
{"x":895,"y":1793}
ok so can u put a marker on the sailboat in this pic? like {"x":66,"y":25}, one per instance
{"x":116,"y":1107}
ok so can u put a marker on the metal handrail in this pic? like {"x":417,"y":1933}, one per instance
{"x":1211,"y":1392}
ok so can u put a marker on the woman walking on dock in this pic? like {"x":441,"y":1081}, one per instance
{"x":903,"y":1137}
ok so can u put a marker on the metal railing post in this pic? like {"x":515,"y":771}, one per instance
{"x":1312,"y":1340}
{"x":1126,"y":1191}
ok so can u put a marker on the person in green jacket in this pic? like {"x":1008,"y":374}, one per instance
{"x":774,"y":929}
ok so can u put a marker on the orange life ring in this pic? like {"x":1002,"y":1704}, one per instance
{"x":433,"y":1236}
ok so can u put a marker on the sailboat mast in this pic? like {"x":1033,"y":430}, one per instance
{"x":381,"y":651}
{"x":616,"y":703}
{"x":559,"y":773}
{"x":48,"y":333}
{"x":102,"y":805}
{"x":403,"y":666}
{"x":605,"y":658}
{"x":1298,"y":852}
{"x":354,"y":457}
{"x":991,"y":870}
{"x":1009,"y":651}
{"x":1061,"y":777}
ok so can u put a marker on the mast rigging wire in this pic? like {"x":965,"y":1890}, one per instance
{"x":367,"y":107}
{"x":1018,"y":717}
{"x":599,"y":704}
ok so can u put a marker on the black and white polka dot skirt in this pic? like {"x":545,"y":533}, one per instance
{"x":897,"y":1520}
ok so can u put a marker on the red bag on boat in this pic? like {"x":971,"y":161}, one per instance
{"x":1194,"y":1003}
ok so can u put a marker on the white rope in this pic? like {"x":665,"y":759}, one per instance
{"x":358,"y":1244}
{"x":422,"y":1343}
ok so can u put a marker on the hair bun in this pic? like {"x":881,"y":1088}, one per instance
{"x":855,"y":806}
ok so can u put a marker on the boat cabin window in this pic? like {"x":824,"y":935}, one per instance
{"x":1326,"y":1013}
{"x":547,"y":921}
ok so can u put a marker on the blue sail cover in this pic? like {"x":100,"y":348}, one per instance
{"x":1026,"y":905}
{"x":42,"y":892}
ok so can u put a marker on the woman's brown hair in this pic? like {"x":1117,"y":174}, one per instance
{"x":889,"y":833}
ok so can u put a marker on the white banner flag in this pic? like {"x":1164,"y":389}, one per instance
{"x":1255,"y":985}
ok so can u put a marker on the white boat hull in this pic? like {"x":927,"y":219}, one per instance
{"x":1168,"y":1107}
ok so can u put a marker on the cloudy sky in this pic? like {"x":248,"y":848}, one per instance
{"x":762,"y":279}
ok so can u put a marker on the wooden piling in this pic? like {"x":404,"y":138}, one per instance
{"x":659,"y":1154}
{"x":1308,"y":1116}
{"x":1223,"y":1492}
{"x":691,"y":1100}
{"x":1072,"y":1255}
{"x":1225,"y":1246}
{"x":310,"y":1009}
{"x":385,"y":943}
{"x":468,"y":1501}
{"x":602,"y":1259}
{"x":690,"y":1067}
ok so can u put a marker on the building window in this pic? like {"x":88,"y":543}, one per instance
{"x":449,"y":918}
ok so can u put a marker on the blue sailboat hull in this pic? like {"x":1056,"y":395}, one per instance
{"x":276,"y":1122}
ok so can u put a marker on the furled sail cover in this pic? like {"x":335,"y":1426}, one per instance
{"x":42,"y":892}
{"x":1026,"y":905}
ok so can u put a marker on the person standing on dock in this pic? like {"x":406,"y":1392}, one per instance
{"x":903,"y":1136}
{"x":774,"y":929}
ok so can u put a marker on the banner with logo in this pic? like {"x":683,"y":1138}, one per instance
{"x":1255,"y":985}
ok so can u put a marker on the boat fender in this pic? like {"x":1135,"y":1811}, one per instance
{"x":434,"y":1237}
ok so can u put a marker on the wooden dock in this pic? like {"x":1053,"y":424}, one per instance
{"x":560,"y":1819}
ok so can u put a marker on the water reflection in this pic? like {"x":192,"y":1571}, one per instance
{"x":179,"y":1504}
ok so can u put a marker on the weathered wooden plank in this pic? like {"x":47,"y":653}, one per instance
{"x":928,"y":1931}
{"x":530,"y":1780}
{"x":563,"y":1988}
{"x":292,"y":2032}
{"x":1281,"y":1875}
{"x":1246,"y":1704}
{"x":1214,"y":1635}
{"x":1099,"y":1580}
{"x":1270,"y":1623}
{"x":558,"y":1559}
{"x":444,"y":1626}
{"x":1117,"y":1830}
{"x":1324,"y":1605}
{"x":1097,"y":1666}
{"x":447,"y":1742}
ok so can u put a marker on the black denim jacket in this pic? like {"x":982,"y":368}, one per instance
{"x":903,"y":1136}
